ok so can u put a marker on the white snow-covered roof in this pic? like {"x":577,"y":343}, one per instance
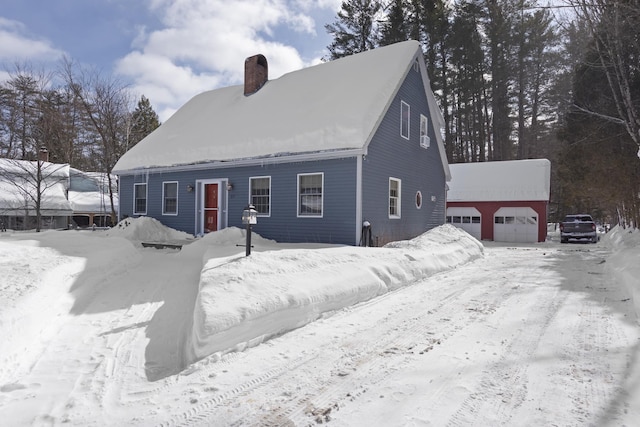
{"x":331,"y":106}
{"x":512,"y":180}
{"x":18,"y":188}
{"x":89,"y":192}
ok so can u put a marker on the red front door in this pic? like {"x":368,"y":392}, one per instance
{"x":210,"y":207}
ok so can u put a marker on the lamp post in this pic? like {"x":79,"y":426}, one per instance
{"x":249,"y":217}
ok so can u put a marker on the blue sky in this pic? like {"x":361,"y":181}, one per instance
{"x":167,"y":50}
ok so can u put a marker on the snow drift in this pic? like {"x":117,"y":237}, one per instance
{"x":625,"y":244}
{"x":244,"y":300}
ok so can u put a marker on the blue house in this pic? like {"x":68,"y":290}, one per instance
{"x":320,"y":152}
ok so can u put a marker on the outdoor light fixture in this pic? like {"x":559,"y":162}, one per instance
{"x":249,"y":218}
{"x":229,"y":186}
{"x":189,"y":188}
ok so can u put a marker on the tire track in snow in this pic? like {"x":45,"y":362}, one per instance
{"x":297,"y":411}
{"x":502,"y":389}
{"x":447,"y":317}
{"x":403,"y":343}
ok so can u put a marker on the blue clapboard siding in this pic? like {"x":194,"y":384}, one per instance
{"x":336,"y":226}
{"x":419,"y":169}
{"x":388,"y":155}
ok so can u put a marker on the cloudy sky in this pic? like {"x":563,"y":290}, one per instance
{"x":168,"y":50}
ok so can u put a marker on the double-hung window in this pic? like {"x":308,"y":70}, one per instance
{"x":424,"y":127}
{"x":170,"y":198}
{"x":394,"y":197}
{"x":310,"y":197}
{"x":140,"y":199}
{"x":260,"y":194}
{"x":405,"y":111}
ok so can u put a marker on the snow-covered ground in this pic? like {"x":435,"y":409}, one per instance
{"x":440,"y":330}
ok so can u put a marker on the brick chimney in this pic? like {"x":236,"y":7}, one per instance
{"x":43,"y":155}
{"x":256,"y":73}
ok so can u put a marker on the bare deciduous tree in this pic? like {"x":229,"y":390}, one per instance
{"x":106,"y":104}
{"x":615,"y":29}
{"x":33,"y":181}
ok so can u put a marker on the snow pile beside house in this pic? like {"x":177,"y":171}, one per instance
{"x":245,"y":300}
{"x":625,"y":244}
{"x":147,"y":229}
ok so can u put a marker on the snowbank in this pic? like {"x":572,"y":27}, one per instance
{"x":147,"y":229}
{"x":245,"y":300}
{"x":625,"y":244}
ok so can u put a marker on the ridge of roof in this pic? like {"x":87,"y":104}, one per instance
{"x":319,"y":108}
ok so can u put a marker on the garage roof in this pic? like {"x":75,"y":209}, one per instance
{"x":512,"y":180}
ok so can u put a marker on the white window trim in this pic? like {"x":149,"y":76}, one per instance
{"x":425,"y":141}
{"x":399,"y":199}
{"x":163,"y":200}
{"x":146,"y":198}
{"x":249,"y":201}
{"x":298,"y":196}
{"x":402,"y":104}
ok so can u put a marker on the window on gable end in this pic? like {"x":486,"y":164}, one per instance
{"x":405,"y":111}
{"x":394,"y":198}
{"x":425,"y":141}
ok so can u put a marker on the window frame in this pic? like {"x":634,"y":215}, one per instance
{"x":164,"y":198}
{"x":268,"y":195}
{"x":299,"y":195}
{"x":135,"y":198}
{"x":398,"y":199}
{"x":425,"y":141}
{"x":404,"y":105}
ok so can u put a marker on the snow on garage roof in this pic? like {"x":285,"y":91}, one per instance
{"x":512,"y":180}
{"x":331,"y":106}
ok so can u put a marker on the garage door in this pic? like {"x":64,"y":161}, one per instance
{"x":515,"y":225}
{"x":466,"y":218}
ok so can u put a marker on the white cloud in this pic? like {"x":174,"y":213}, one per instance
{"x":16,"y":45}
{"x":203,"y":44}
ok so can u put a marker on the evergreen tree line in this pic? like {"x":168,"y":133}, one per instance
{"x":515,"y":82}
{"x":77,"y":115}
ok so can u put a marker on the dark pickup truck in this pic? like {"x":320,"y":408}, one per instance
{"x":578,"y":227}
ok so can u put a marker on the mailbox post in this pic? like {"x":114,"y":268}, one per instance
{"x":249,"y":217}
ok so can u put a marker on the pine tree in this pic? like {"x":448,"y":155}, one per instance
{"x":355,"y":29}
{"x":394,"y":29}
{"x":144,"y":121}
